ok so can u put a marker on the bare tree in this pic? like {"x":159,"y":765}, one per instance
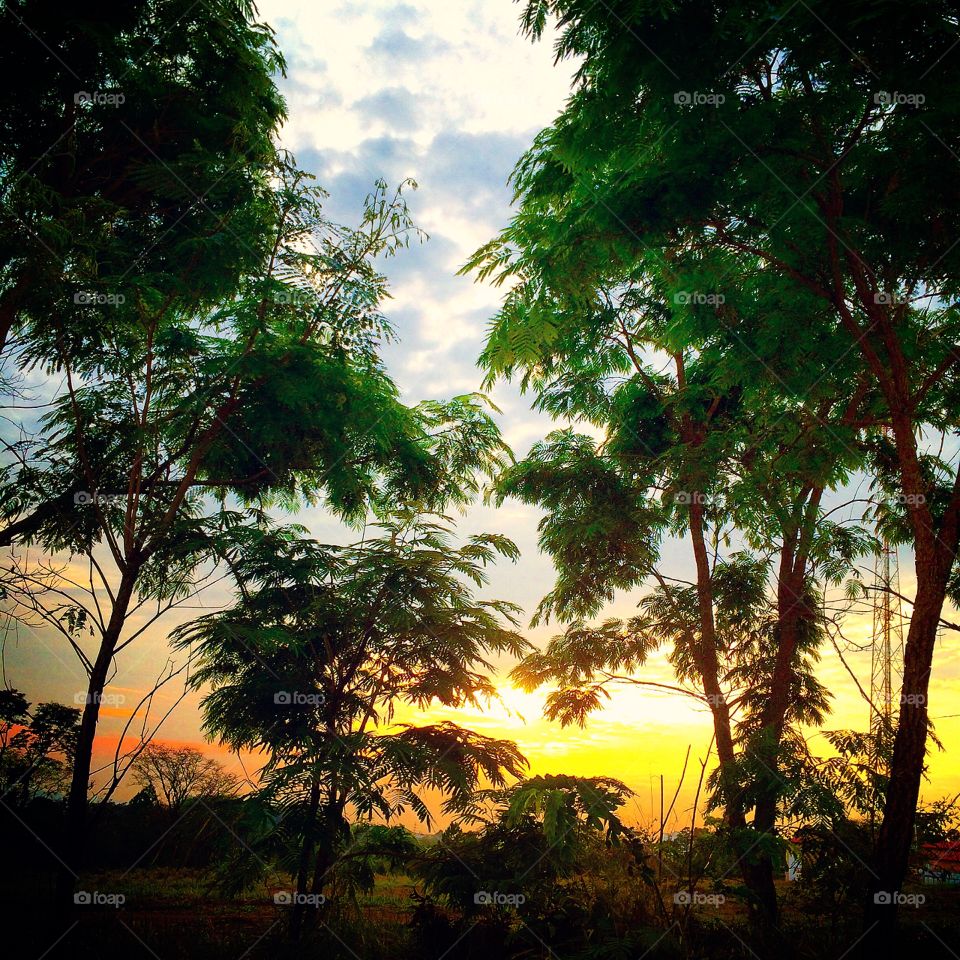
{"x":179,"y":774}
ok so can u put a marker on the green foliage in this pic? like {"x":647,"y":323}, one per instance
{"x":939,"y":821}
{"x":672,"y":290}
{"x":552,"y":863}
{"x":565,"y":807}
{"x":601,"y":534}
{"x":156,"y":194}
{"x":322,"y":645}
{"x":372,"y":849}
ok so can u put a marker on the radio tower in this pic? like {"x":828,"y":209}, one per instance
{"x":886,"y":663}
{"x":886,"y":652}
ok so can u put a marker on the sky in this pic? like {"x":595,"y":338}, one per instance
{"x":448,"y":93}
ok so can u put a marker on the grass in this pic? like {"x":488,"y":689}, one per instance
{"x":175,"y":914}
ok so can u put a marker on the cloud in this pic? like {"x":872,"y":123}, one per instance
{"x":309,"y":96}
{"x":392,"y":106}
{"x":296,"y":50}
{"x":461,"y":176}
{"x":471,"y":169}
{"x":395,"y":44}
{"x":349,"y":175}
{"x":396,"y":13}
{"x":402,"y":13}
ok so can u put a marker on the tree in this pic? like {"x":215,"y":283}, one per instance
{"x":177,"y":774}
{"x":36,"y":749}
{"x":699,"y":441}
{"x":566,"y":808}
{"x":322,"y":646}
{"x":525,"y":879}
{"x":139,"y":168}
{"x":136,"y":196}
{"x":804,"y":147}
{"x":276,"y":396}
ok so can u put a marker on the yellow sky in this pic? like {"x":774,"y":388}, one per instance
{"x":639,"y":736}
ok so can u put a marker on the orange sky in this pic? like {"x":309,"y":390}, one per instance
{"x":639,"y":736}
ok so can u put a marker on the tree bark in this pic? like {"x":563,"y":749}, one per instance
{"x":892,"y":852}
{"x":303,"y":869}
{"x":75,"y":845}
{"x":772,"y":723}
{"x":935,"y":551}
{"x":755,"y":873}
{"x":327,"y":847}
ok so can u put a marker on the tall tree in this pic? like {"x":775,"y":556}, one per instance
{"x":156,"y":452}
{"x":699,"y":441}
{"x":815,"y":145}
{"x":175,"y":775}
{"x":136,"y":196}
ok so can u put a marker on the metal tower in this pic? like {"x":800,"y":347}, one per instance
{"x":886,"y":652}
{"x":886,"y":663}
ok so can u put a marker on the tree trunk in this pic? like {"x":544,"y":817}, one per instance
{"x":773,"y":719}
{"x":894,"y":840}
{"x":323,"y":860}
{"x":74,"y":846}
{"x":935,"y":551}
{"x":326,"y":848}
{"x":756,"y":875}
{"x":791,"y":612}
{"x":303,"y":868}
